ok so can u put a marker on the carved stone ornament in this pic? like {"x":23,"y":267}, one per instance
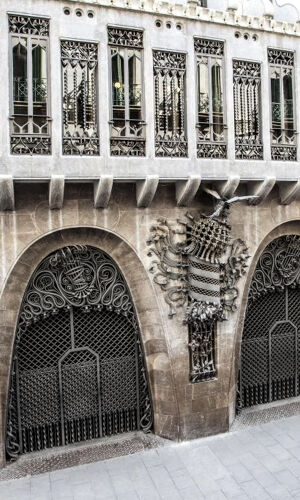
{"x":207,"y":46}
{"x":281,"y":57}
{"x":27,"y":25}
{"x":125,"y":37}
{"x":198,"y":267}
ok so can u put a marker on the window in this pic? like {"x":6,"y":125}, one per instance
{"x":29,"y":107}
{"x":211,"y":138}
{"x":247,"y":110}
{"x":283,"y":133}
{"x":127,"y":126}
{"x":80,"y":107}
{"x":169,"y":84}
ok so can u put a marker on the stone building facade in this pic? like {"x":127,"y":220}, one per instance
{"x":116,"y":117}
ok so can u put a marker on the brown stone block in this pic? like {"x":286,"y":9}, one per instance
{"x":204,"y":424}
{"x":166,"y":426}
{"x":155,"y":346}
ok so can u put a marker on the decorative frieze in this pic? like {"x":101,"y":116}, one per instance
{"x":28,"y":25}
{"x":125,"y":37}
{"x":208,"y":46}
{"x":280,"y":57}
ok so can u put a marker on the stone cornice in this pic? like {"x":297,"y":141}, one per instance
{"x":192,"y":11}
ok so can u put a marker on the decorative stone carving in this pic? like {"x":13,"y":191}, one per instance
{"x":281,"y":57}
{"x":208,"y":46}
{"x":125,"y":37}
{"x":27,"y":25}
{"x":198,"y":267}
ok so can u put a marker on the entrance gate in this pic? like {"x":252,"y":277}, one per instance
{"x":78,"y":370}
{"x":270,"y":357}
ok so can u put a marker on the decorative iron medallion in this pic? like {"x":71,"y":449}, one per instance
{"x":78,"y":370}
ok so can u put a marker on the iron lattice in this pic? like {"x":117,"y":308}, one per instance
{"x":78,"y":369}
{"x":270,"y":347}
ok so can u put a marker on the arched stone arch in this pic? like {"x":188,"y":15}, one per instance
{"x":143,"y":296}
{"x":287,"y":228}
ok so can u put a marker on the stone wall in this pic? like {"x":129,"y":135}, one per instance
{"x":182,"y":410}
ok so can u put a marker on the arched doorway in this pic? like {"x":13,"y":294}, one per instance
{"x":78,"y":369}
{"x":270,"y":357}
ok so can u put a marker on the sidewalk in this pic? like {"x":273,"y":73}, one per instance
{"x":255,"y":462}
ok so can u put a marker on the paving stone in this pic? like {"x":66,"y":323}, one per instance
{"x":287,"y":479}
{"x":240,"y":473}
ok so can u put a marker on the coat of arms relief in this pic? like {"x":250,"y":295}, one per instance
{"x":197,"y":264}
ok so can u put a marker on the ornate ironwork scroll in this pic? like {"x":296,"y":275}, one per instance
{"x":78,"y":369}
{"x":283,"y":132}
{"x":189,"y":269}
{"x":80,"y":108}
{"x":29,"y":118}
{"x":270,"y":347}
{"x":169,"y":84}
{"x":247,"y":110}
{"x":127,"y":125}
{"x":211,"y":130}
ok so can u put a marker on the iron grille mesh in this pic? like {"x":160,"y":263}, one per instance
{"x":78,"y":372}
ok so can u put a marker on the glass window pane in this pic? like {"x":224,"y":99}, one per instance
{"x":39,"y":72}
{"x":288,"y":101}
{"x":203,"y":96}
{"x":118,"y":80}
{"x":135,"y":80}
{"x":20,"y":91}
{"x":276,"y":99}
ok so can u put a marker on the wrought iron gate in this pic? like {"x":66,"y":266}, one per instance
{"x":270,"y":354}
{"x":78,"y":369}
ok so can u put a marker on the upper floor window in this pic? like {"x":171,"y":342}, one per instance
{"x":211,"y":138}
{"x":80,"y":107}
{"x":169,"y":83}
{"x":29,"y":106}
{"x":247,"y":110}
{"x":283,"y":133}
{"x":127,"y":126}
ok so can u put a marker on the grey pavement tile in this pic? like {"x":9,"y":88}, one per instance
{"x":192,"y":494}
{"x":254,"y":490}
{"x":278,"y":492}
{"x":147,"y":494}
{"x":272,"y":463}
{"x":122,"y":484}
{"x":170,"y":494}
{"x":151,"y":458}
{"x":229,"y":486}
{"x":250,"y":461}
{"x":287,"y":479}
{"x":264,"y":477}
{"x":131,"y":495}
{"x":292,"y":465}
{"x":182,"y":479}
{"x":205,"y":483}
{"x":286,"y":441}
{"x":280,"y":452}
{"x":240,"y":473}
